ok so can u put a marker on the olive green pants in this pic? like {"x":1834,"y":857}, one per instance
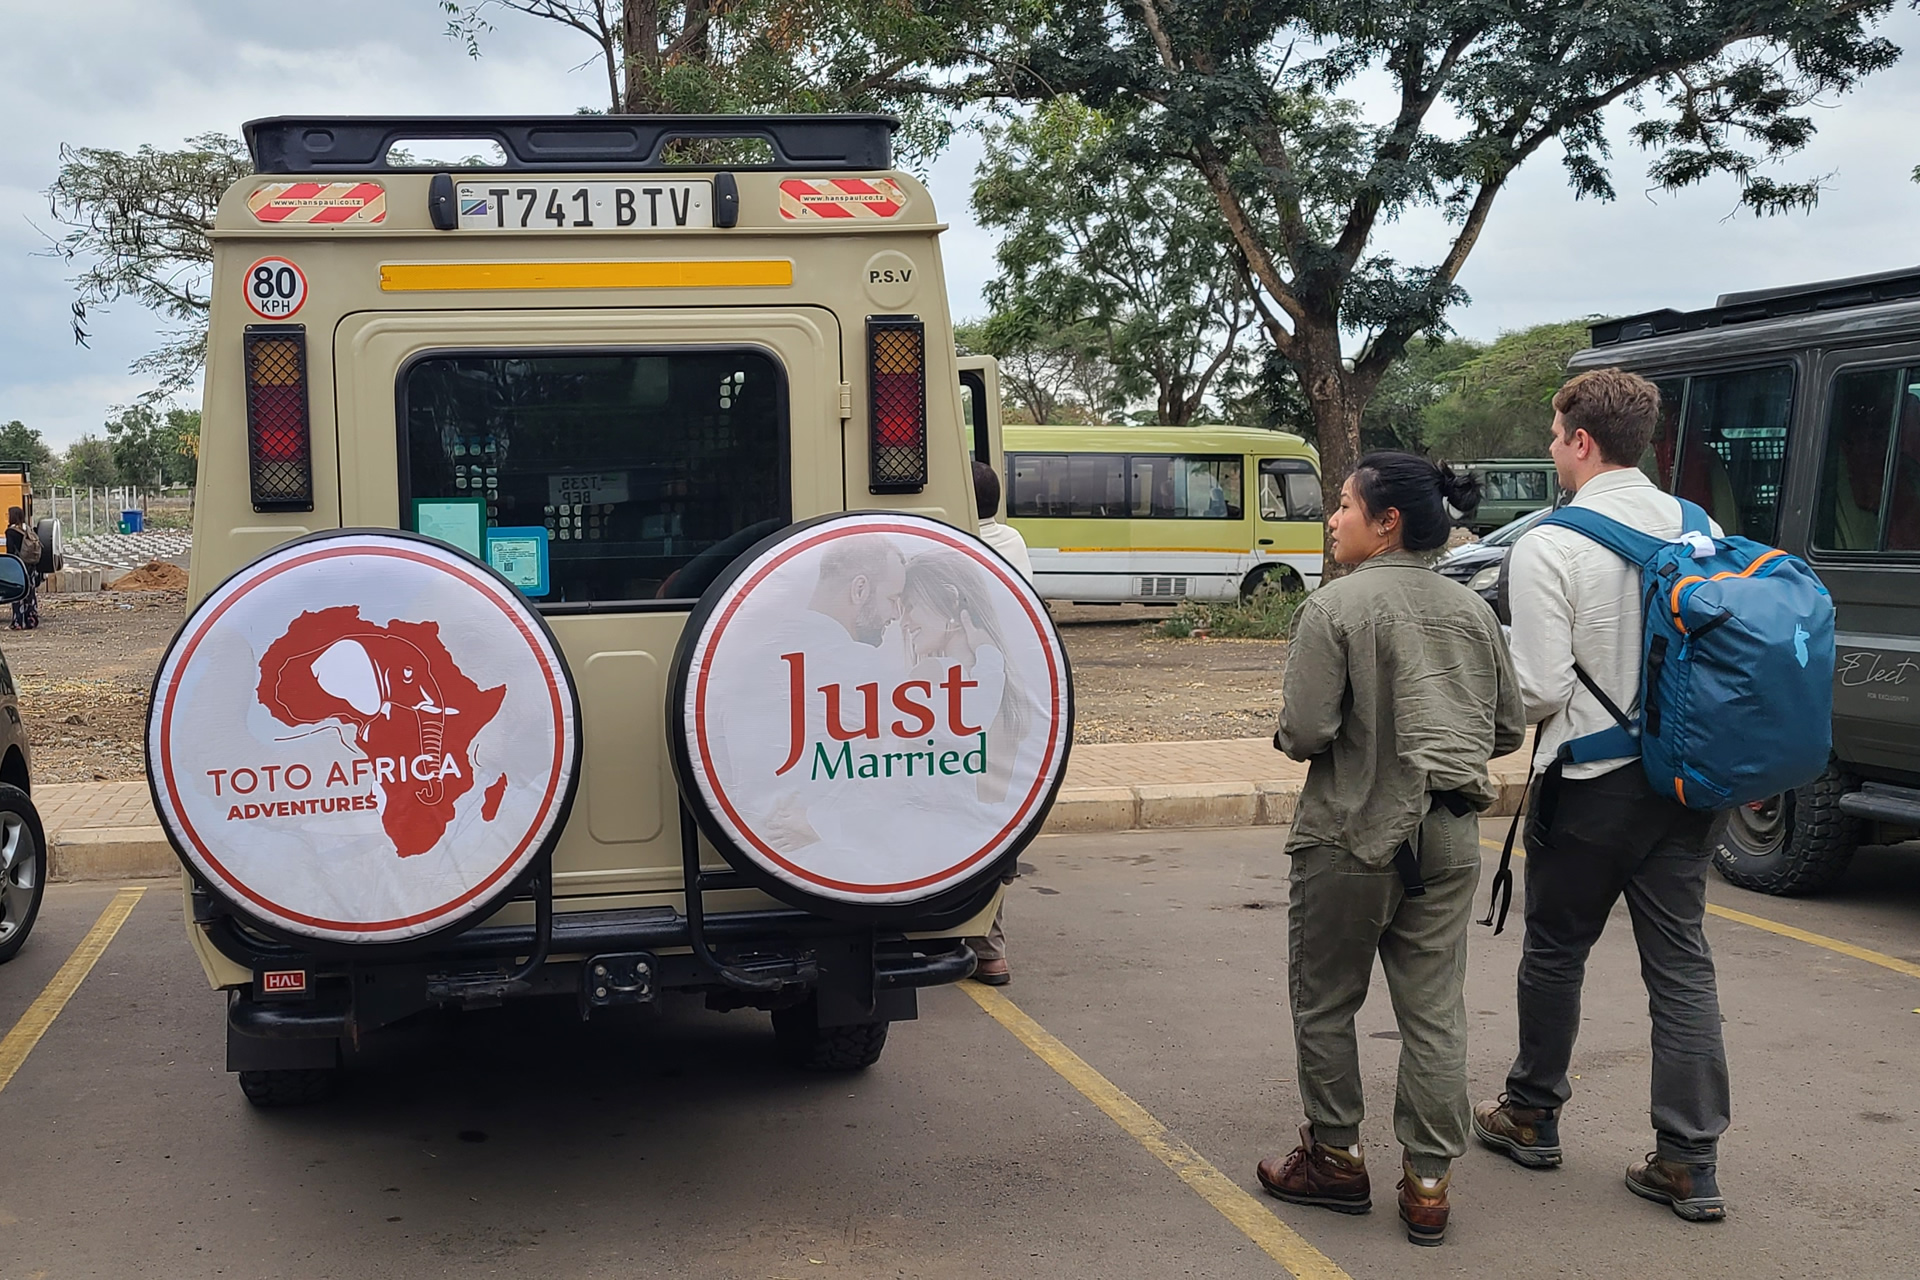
{"x":1340,"y":914}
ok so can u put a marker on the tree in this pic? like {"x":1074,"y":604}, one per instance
{"x":1247,"y":96}
{"x":1102,"y":240}
{"x":137,"y":226}
{"x":762,"y":55}
{"x":151,"y":449}
{"x":21,"y":443}
{"x":1499,"y":403}
{"x":89,"y":462}
{"x":1400,"y":413}
{"x":1047,"y":374}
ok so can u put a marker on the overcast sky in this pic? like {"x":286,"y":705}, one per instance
{"x":117,"y":73}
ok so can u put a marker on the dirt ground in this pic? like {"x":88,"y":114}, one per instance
{"x":85,"y":674}
{"x":1131,"y":686}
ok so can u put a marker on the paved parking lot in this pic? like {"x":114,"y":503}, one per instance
{"x":1149,"y":981}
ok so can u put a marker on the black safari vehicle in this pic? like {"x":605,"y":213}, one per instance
{"x":1793,"y":415}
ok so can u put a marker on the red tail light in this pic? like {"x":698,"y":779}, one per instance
{"x":897,"y":372}
{"x":279,"y":433}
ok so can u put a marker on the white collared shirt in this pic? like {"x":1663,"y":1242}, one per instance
{"x":1006,"y":539}
{"x":1575,"y":601}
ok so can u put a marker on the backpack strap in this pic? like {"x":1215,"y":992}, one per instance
{"x":1623,"y":739}
{"x":1623,"y":540}
{"x":1693,"y":518}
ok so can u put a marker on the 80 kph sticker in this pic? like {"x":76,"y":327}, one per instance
{"x":275,"y":288}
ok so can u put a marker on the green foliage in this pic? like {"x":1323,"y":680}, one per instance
{"x":1499,"y":403}
{"x":88,"y":462}
{"x":137,"y":226}
{"x":1047,"y":374}
{"x":1400,"y":413}
{"x":21,"y":443}
{"x":707,"y":56}
{"x":1110,"y":246}
{"x":1266,"y":615}
{"x":1248,"y":95}
{"x":150,"y":448}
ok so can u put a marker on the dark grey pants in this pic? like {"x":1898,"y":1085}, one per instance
{"x":1610,"y":836}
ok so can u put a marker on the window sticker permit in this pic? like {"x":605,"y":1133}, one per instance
{"x":604,"y":486}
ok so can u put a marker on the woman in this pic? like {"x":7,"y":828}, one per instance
{"x":26,"y":610}
{"x":1398,"y":690}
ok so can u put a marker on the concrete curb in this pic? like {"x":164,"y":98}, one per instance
{"x":134,"y":853}
{"x":110,"y":853}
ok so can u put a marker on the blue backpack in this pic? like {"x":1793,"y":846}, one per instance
{"x":1736,"y":677}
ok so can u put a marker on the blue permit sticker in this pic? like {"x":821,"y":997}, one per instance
{"x":520,"y":556}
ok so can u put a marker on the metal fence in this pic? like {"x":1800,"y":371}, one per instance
{"x":84,"y":510}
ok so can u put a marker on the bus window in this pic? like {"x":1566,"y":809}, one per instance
{"x":1289,"y":490}
{"x":1185,"y":488}
{"x":1873,"y":426}
{"x":1066,"y":484}
{"x":1733,"y":445}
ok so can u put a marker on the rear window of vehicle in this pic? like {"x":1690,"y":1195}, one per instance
{"x":648,"y":470}
{"x":1733,"y":447}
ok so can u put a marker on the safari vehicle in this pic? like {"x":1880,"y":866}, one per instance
{"x":1161,"y":514}
{"x":23,"y":842}
{"x":631,"y":351}
{"x":1793,"y":416}
{"x":1511,"y":488}
{"x":16,"y":490}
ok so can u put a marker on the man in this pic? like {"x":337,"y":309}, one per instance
{"x":992,"y":949}
{"x":1001,"y":537}
{"x":1599,"y":830}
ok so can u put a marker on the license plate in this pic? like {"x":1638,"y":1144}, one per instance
{"x":585,"y":206}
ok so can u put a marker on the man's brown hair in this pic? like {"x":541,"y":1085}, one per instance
{"x":1618,"y":409}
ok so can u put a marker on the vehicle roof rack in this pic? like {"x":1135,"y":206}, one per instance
{"x":1763,"y":304}
{"x":576,"y":144}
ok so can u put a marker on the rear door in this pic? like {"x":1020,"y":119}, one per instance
{"x":1864,"y":541}
{"x":645,"y":448}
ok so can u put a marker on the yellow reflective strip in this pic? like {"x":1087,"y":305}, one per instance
{"x":53,"y":998}
{"x":418,"y":277}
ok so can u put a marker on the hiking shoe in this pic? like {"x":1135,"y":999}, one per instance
{"x":1423,"y":1206}
{"x":1690,"y":1190}
{"x":1530,"y":1136}
{"x":1317,"y":1174}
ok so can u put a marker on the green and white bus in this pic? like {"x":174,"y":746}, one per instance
{"x":1159,"y":514}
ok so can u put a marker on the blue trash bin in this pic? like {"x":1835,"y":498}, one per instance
{"x":132,"y":520}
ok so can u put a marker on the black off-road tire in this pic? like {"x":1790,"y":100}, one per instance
{"x":23,"y":869}
{"x":289,"y":1087}
{"x":1797,"y":843}
{"x":804,"y":1043}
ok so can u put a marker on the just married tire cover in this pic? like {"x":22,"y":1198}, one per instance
{"x":870,"y":713}
{"x":363,"y":737}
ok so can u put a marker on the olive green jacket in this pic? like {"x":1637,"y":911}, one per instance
{"x":1398,"y":684}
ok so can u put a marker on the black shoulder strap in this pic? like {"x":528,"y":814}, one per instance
{"x":1619,"y":716}
{"x":1501,"y":897}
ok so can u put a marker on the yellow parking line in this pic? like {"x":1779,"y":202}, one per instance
{"x":47,"y":1005}
{"x":1880,"y":958}
{"x":1236,"y":1205}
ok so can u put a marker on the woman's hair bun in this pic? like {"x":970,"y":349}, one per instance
{"x":1461,"y":489}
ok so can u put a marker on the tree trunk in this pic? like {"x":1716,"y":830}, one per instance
{"x":1337,"y":401}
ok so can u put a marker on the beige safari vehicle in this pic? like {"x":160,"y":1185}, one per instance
{"x":390,"y":342}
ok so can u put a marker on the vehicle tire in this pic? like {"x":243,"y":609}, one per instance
{"x":53,"y":551}
{"x":23,"y":869}
{"x":1793,"y":844}
{"x":804,"y":1043}
{"x":1280,"y":575}
{"x":289,"y":1087}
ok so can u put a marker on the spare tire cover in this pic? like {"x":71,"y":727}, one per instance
{"x":870,"y":711}
{"x":363,"y":737}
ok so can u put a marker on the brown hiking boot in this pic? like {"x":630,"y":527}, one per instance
{"x":1317,"y":1174}
{"x":1690,"y":1190}
{"x":1529,"y":1136}
{"x":1423,"y":1206}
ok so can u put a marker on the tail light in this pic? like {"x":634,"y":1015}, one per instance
{"x":279,"y":435}
{"x":897,"y":371}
